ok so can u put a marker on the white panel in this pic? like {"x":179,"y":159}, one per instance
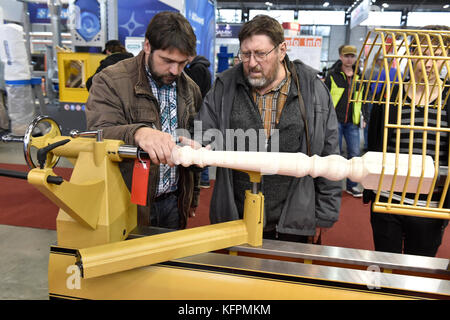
{"x":177,"y":4}
{"x":280,"y":15}
{"x":12,"y":10}
{"x":321,"y":17}
{"x":420,"y":19}
{"x":112,"y":20}
{"x":386,"y":18}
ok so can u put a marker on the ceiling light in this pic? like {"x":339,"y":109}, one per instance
{"x":326,"y":4}
{"x":446,"y":6}
{"x":385,"y":5}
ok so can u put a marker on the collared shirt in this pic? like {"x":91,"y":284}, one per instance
{"x":271,"y":103}
{"x":167,"y":98}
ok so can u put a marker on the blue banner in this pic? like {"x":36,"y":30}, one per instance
{"x":90,"y":24}
{"x":135,"y":15}
{"x":201,"y":15}
{"x":38,"y":13}
{"x":228,"y":30}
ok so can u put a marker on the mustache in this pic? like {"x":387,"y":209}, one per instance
{"x":255,"y":69}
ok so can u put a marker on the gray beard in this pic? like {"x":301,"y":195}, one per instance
{"x":257,"y":83}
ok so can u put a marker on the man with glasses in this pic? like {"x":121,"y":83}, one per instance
{"x":286,"y":102}
{"x":144,"y":101}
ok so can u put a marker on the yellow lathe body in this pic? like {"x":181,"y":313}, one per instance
{"x":102,"y":255}
{"x":276,"y":270}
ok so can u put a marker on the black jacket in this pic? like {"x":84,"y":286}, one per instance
{"x":343,"y":113}
{"x":108,"y":61}
{"x":310,"y":202}
{"x":376,"y":132}
{"x":199,"y":72}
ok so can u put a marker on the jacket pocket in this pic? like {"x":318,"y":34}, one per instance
{"x":298,"y":214}
{"x":144,"y":113}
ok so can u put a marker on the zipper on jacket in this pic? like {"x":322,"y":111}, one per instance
{"x":348,"y":97}
{"x":276,"y":231}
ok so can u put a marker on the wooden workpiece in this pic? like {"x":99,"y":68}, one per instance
{"x":366,"y":169}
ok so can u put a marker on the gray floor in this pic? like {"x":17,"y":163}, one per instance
{"x":24,"y":251}
{"x":24,"y":261}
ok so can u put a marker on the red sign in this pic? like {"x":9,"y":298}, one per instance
{"x":291,"y":26}
{"x":304,"y":41}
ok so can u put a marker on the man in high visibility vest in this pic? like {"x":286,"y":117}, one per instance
{"x":339,"y":82}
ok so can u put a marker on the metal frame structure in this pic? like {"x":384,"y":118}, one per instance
{"x":409,"y":49}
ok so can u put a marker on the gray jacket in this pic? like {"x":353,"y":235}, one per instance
{"x":309,"y":202}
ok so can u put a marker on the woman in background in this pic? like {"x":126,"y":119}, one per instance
{"x":401,"y":233}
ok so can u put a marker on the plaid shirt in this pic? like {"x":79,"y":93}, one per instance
{"x":271,"y":103}
{"x":167,"y":98}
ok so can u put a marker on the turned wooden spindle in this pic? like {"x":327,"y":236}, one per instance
{"x":366,"y":169}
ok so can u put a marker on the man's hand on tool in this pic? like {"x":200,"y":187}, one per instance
{"x":157,"y":144}
{"x":192,"y":143}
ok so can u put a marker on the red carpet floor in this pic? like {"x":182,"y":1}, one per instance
{"x":22,"y":205}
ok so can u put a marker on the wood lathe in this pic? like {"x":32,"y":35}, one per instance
{"x":101,"y":254}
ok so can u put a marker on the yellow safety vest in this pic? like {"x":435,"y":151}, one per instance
{"x":336,"y":95}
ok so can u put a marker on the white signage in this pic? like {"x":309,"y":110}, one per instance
{"x":134,"y":44}
{"x":360,"y":13}
{"x":306,"y":48}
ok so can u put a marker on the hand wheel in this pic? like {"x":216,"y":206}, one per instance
{"x":53,"y":130}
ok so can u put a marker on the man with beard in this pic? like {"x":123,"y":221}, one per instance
{"x":290,"y":110}
{"x":144,"y":101}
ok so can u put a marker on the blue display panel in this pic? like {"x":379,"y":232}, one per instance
{"x":39,"y":13}
{"x":89,"y":19}
{"x":201,"y":15}
{"x":135,"y":15}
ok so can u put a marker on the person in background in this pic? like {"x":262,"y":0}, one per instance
{"x":198,"y":70}
{"x":339,"y":82}
{"x":375,"y":90}
{"x":236,"y":60}
{"x":116,"y":52}
{"x":377,"y":66}
{"x":4,"y":119}
{"x":401,"y":233}
{"x":291,"y":110}
{"x":146,"y":101}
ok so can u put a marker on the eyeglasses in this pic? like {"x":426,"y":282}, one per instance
{"x":259,"y":56}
